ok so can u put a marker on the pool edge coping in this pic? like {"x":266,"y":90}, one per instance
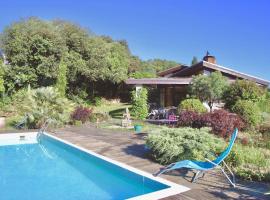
{"x":172,"y":190}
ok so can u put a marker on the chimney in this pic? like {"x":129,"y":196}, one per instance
{"x":209,"y":58}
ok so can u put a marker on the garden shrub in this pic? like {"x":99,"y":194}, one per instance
{"x":174,"y":144}
{"x":222,"y":122}
{"x":100,"y":116}
{"x":61,"y":82}
{"x":42,"y":104}
{"x":189,"y":118}
{"x":249,"y":112}
{"x":97,"y":101}
{"x":194,"y":105}
{"x":264,"y":105}
{"x":139,"y":108}
{"x":170,"y":145}
{"x":242,"y":90}
{"x":250,"y":163}
{"x":81,"y":114}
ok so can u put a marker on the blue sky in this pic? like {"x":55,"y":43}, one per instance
{"x":237,"y":32}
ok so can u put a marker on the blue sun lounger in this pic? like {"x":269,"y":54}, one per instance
{"x":202,"y":167}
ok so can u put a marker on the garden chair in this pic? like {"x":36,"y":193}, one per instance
{"x":202,"y":167}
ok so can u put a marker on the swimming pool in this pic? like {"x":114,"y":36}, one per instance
{"x":56,"y":169}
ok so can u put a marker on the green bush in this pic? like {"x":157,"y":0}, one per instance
{"x":61,"y":82}
{"x":42,"y":104}
{"x":100,"y":116}
{"x":98,"y":101}
{"x":264,"y":103}
{"x":242,"y":90}
{"x":139,"y":104}
{"x":169,"y":145}
{"x":174,"y":144}
{"x":194,"y":105}
{"x":250,"y":163}
{"x":249,"y":112}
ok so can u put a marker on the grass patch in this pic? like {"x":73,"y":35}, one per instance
{"x":115,"y":110}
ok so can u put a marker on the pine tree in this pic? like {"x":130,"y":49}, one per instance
{"x":194,"y":60}
{"x":61,"y":83}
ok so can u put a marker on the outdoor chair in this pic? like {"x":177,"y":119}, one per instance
{"x":202,"y":167}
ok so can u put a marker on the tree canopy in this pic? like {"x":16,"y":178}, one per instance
{"x":34,"y":49}
{"x":209,"y":88}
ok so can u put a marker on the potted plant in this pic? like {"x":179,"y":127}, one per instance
{"x":138,"y":128}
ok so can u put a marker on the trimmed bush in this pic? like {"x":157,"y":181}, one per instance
{"x":249,"y":112}
{"x":81,"y":114}
{"x":194,"y":105}
{"x":139,"y":108}
{"x":242,"y":90}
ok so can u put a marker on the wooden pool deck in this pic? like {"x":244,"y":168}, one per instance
{"x":129,"y":148}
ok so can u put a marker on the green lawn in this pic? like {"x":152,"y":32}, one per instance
{"x":115,"y":110}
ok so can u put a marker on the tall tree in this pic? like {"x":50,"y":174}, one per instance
{"x":61,"y":83}
{"x":209,"y":88}
{"x":194,"y":60}
{"x":2,"y":88}
{"x":33,"y":49}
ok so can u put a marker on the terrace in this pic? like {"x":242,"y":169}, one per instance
{"x":128,"y":148}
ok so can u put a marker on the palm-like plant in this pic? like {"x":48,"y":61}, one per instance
{"x":46,"y":103}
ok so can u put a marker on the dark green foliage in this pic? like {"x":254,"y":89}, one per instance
{"x":98,"y":101}
{"x":248,"y":111}
{"x":33,"y":49}
{"x":99,"y":117}
{"x":61,"y":83}
{"x":139,"y":75}
{"x":159,"y":64}
{"x":264,"y":103}
{"x":194,"y":60}
{"x":2,"y":72}
{"x":149,"y":68}
{"x":192,"y":105}
{"x":139,"y":104}
{"x":242,"y":90}
{"x":208,"y":88}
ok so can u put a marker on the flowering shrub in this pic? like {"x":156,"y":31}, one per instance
{"x":81,"y":114}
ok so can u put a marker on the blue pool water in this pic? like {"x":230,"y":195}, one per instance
{"x":53,"y":170}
